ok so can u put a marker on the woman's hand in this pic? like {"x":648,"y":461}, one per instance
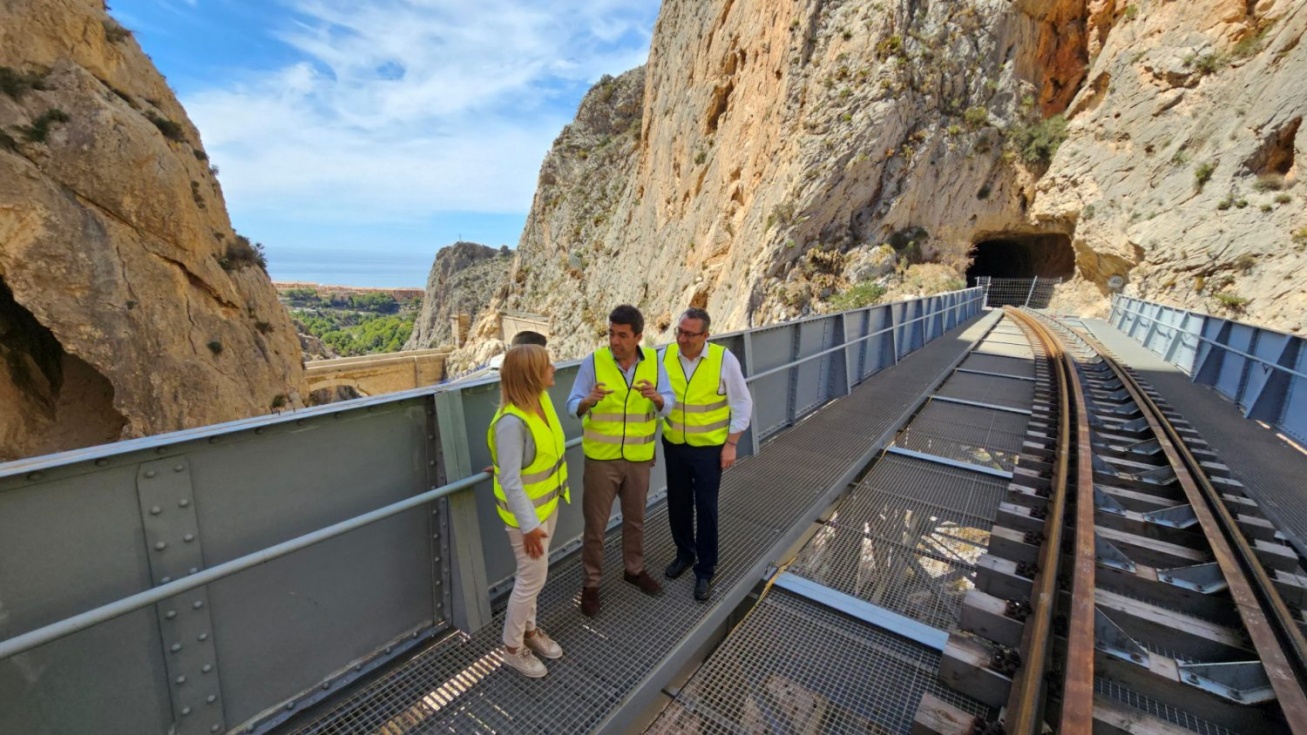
{"x":531,"y":542}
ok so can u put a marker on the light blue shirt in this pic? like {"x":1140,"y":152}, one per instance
{"x":585,"y":382}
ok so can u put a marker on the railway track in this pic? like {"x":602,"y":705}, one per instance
{"x":1130,"y":586}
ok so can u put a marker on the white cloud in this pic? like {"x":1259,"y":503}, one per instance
{"x":399,"y":109}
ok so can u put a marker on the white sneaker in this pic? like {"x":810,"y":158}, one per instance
{"x":525,"y":662}
{"x":543,"y":645}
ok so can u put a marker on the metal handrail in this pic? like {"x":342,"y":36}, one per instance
{"x":846,"y":345}
{"x":1255,"y":358}
{"x":68,"y":626}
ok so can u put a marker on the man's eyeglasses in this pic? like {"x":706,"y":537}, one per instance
{"x":688,"y":335}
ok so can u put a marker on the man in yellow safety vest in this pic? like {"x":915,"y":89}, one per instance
{"x":620,"y":393}
{"x":711,"y":411}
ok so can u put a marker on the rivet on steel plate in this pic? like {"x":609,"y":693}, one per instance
{"x":165,"y":580}
{"x":202,"y":637}
{"x":188,"y":537}
{"x":101,"y":462}
{"x":211,"y":699}
{"x":326,"y":685}
{"x":259,"y":431}
{"x":34,"y":475}
{"x":176,"y":647}
{"x":181,"y":680}
{"x":155,"y":510}
{"x":170,"y":614}
{"x":290,"y":705}
{"x":149,"y":474}
{"x":436,"y":559}
{"x":160,"y":546}
{"x":198,"y":604}
{"x":179,"y":468}
{"x":184,"y":502}
{"x":431,"y":437}
{"x":387,"y":649}
{"x":358,"y":667}
{"x":215,"y":728}
{"x":432,"y":463}
{"x":437,"y":583}
{"x":193,"y":570}
{"x":206,"y":668}
{"x":186,"y":711}
{"x":415,"y":634}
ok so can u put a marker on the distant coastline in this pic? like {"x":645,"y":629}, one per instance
{"x":359,"y":269}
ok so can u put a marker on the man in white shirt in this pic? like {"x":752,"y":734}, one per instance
{"x":712,"y":410}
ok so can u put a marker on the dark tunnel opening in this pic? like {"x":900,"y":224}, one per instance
{"x":1023,"y":256}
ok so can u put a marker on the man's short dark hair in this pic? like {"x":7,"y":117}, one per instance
{"x":695,"y":312}
{"x":628,"y":315}
{"x":527,"y":337}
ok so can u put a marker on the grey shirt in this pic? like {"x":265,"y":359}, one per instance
{"x":515,"y":449}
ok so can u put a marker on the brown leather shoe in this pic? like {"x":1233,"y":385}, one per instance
{"x":647,"y":584}
{"x":589,"y":601}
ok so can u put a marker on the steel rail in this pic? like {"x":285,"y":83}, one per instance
{"x":1235,"y":557}
{"x":1027,"y":698}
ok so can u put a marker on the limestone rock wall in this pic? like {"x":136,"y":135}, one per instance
{"x":128,"y":306}
{"x":783,"y":152}
{"x":464,"y":278}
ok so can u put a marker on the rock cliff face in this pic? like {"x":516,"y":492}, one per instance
{"x":773,"y":155}
{"x":463,"y":279}
{"x":128,"y":306}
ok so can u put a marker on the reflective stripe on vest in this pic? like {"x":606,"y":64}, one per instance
{"x":545,"y":479}
{"x":701,"y":416}
{"x":624,"y":423}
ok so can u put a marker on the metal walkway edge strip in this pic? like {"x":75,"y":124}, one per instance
{"x":994,"y":375}
{"x":979,"y":404}
{"x":864,"y":611}
{"x":950,"y":462}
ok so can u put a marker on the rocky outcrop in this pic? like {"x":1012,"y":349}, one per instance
{"x":128,"y":306}
{"x":783,"y":152}
{"x":463,"y":279}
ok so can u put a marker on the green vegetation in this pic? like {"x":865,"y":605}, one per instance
{"x":1205,"y":64}
{"x":1283,"y":198}
{"x":1230,"y":301}
{"x":15,"y":84}
{"x":40,"y":127}
{"x":863,"y":294}
{"x":354,"y":323}
{"x":7,"y":143}
{"x":1245,"y":262}
{"x":1300,"y":236}
{"x":1131,"y":12}
{"x":1203,"y":174}
{"x":171,"y":130}
{"x":240,"y":253}
{"x":114,"y":32}
{"x":215,"y":347}
{"x":1038,"y":142}
{"x":976,"y":116}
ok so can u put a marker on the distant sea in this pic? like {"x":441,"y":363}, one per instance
{"x":365,"y":268}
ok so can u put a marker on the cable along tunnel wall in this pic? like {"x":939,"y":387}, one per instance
{"x":88,"y":528}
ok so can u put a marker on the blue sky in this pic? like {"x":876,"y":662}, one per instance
{"x":343,"y":128}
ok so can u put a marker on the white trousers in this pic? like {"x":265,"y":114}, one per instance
{"x":528,"y":582}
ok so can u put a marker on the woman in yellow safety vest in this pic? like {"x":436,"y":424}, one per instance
{"x":528,"y":447}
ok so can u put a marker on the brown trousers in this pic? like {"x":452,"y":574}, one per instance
{"x":604,"y":480}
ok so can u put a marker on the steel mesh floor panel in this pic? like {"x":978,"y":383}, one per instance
{"x":1003,"y":365}
{"x":968,"y":434}
{"x":986,"y":389}
{"x":794,"y":666}
{"x":460,"y":684}
{"x":971,"y":493}
{"x":1161,"y":711}
{"x":989,"y":348}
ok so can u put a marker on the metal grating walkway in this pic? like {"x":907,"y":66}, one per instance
{"x":835,"y":675}
{"x":458,"y":684}
{"x":907,"y":540}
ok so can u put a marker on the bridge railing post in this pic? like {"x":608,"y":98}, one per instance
{"x":470,"y":593}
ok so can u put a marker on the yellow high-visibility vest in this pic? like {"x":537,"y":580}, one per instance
{"x":623,"y":424}
{"x":701,"y":416}
{"x":545,"y":479}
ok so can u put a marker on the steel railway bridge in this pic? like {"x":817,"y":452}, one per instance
{"x":951,"y":518}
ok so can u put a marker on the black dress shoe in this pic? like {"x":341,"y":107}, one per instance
{"x":677,"y":568}
{"x":702,"y":589}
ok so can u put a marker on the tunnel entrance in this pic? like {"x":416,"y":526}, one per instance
{"x":1023,"y":256}
{"x":1015,"y":267}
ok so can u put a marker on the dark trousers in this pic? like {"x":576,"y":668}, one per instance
{"x":694,"y":475}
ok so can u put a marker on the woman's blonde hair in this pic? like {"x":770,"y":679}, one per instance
{"x":522,"y":376}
